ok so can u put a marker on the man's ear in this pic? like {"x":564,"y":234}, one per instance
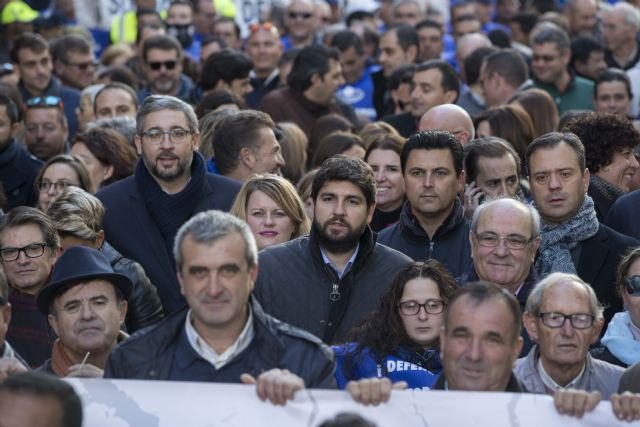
{"x":531,"y":325}
{"x":450,"y":96}
{"x":53,"y":323}
{"x":247,"y":157}
{"x":412,"y":53}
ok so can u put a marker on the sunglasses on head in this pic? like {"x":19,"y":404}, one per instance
{"x":156,"y":65}
{"x":303,"y":15}
{"x":632,"y":285}
{"x":44,"y":101}
{"x":267,"y":26}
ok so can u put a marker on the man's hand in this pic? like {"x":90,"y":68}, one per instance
{"x":373,"y":391}
{"x":10,"y":366}
{"x":85,"y":371}
{"x":472,"y":196}
{"x":277,"y":385}
{"x":575,"y":403}
{"x":626,"y":406}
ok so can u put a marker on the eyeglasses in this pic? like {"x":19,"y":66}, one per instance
{"x":176,"y":135}
{"x":156,"y":65}
{"x":491,"y":240}
{"x":632,"y":285}
{"x":300,"y":15}
{"x":431,"y":306}
{"x":82,"y":65}
{"x":556,"y":320}
{"x":45,"y":101}
{"x":34,"y":250}
{"x":59,"y":186}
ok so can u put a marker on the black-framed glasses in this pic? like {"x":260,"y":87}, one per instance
{"x":34,"y":250}
{"x":431,"y":306}
{"x":45,"y":101}
{"x":44,"y":186}
{"x":556,"y":320}
{"x":176,"y":135}
{"x":156,"y":65}
{"x":82,"y":65}
{"x":300,"y":15}
{"x":632,"y":285}
{"x":491,"y":240}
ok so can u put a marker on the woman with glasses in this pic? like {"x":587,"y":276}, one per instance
{"x":620,"y":344}
{"x":272,"y":208}
{"x":399,"y":339}
{"x":58,"y":173}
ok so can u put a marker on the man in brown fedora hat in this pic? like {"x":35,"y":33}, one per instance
{"x":85,"y":303}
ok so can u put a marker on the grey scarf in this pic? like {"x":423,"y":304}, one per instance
{"x":558,"y":240}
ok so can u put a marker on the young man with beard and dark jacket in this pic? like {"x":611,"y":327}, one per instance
{"x":432,"y":223}
{"x":330,"y":280}
{"x":169,"y":186}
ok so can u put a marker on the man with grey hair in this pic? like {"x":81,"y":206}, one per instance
{"x":223,"y":335}
{"x":620,"y":25}
{"x":564,"y":318}
{"x":84,"y":111}
{"x":551,"y":55}
{"x":170,"y":184}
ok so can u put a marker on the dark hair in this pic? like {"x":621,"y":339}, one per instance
{"x":14,"y":94}
{"x":111,"y":149}
{"x":12,"y":108}
{"x":428,"y":23}
{"x":433,"y":140}
{"x":223,"y":19}
{"x":581,"y":49}
{"x":406,"y":35}
{"x":541,"y":109}
{"x":473,"y":63}
{"x":226,"y":65}
{"x":623,"y":268}
{"x":32,"y":41}
{"x":510,"y":123}
{"x":333,"y":144}
{"x":116,"y":86}
{"x":382,"y":332}
{"x":161,"y":42}
{"x":480,"y":292}
{"x":491,"y":147}
{"x":613,"y":75}
{"x":526,"y":21}
{"x":509,"y":64}
{"x":309,"y":61}
{"x":44,"y":385}
{"x":464,"y":18}
{"x":552,"y":140}
{"x":602,"y":135}
{"x":403,"y":74}
{"x":390,"y":142}
{"x":322,"y":127}
{"x":120,"y":74}
{"x":343,"y":40}
{"x":570,"y":115}
{"x":207,"y":40}
{"x":61,"y":47}
{"x":450,"y":79}
{"x":4,"y":288}
{"x":345,"y":168}
{"x":26,"y":215}
{"x":234,"y":132}
{"x":216,"y":99}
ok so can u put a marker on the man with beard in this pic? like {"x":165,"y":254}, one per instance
{"x":170,"y":184}
{"x":330,"y":280}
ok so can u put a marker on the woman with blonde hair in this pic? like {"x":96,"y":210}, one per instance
{"x":272,"y":208}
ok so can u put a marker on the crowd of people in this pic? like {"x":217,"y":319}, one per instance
{"x":363,"y":195}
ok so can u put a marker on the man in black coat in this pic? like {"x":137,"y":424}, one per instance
{"x":224,"y":335}
{"x":170,"y":184}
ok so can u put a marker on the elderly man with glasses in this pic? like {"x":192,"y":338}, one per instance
{"x":564,"y":318}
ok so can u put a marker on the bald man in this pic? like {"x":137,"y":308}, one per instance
{"x":451,"y":118}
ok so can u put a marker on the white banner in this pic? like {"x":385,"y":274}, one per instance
{"x":121,"y":403}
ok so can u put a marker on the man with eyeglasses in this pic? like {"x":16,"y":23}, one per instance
{"x":300,"y":21}
{"x":31,"y":55}
{"x":170,"y":185}
{"x":564,"y":318}
{"x":29,"y":247}
{"x":74,"y":61}
{"x":573,"y":241}
{"x":46,"y":127}
{"x":162,"y":66}
{"x":551,"y":56}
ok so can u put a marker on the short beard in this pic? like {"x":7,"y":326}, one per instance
{"x":338,"y":245}
{"x":168,"y":176}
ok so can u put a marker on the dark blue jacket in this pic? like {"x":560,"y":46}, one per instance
{"x":450,"y":243}
{"x":18,"y":171}
{"x":130,"y":229}
{"x":622,"y":215}
{"x":163,"y":352}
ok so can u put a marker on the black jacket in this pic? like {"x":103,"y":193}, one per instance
{"x":622,"y":215}
{"x":130,"y":229}
{"x":450,"y":243}
{"x":404,"y":123}
{"x":18,"y":171}
{"x":144,"y":308}
{"x":151,"y":354}
{"x":295,"y":285}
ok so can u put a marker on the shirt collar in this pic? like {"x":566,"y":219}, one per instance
{"x":347,"y":267}
{"x":203,"y":349}
{"x":550,"y":384}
